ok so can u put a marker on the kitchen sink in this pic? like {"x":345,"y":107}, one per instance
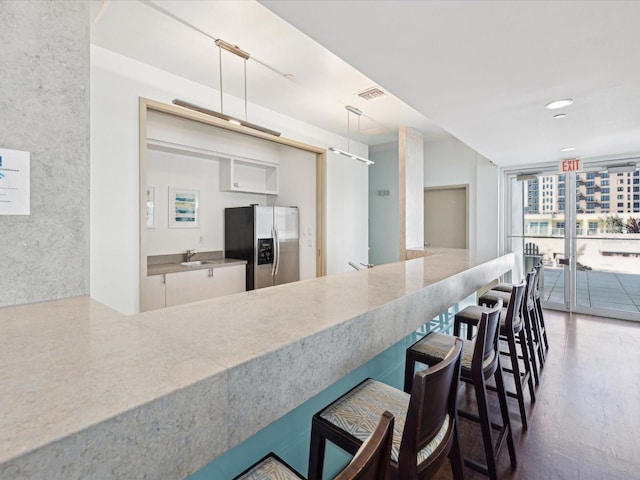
{"x":195,"y":263}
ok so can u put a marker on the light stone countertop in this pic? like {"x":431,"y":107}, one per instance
{"x":88,"y":393}
{"x":163,"y":268}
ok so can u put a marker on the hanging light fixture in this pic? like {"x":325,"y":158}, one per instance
{"x":348,"y":153}
{"x":222,"y":45}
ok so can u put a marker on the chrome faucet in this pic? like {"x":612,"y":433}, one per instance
{"x":190,"y":254}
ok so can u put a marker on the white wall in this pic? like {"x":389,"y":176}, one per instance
{"x":167,"y":169}
{"x":117,"y":83}
{"x":451,"y":162}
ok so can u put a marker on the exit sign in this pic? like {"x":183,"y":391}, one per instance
{"x":570,"y":165}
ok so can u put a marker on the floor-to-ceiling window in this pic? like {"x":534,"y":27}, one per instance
{"x":585,"y":229}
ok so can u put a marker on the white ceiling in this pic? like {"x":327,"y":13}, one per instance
{"x":322,"y":85}
{"x":481,"y":70}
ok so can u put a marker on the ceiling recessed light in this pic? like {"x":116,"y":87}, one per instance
{"x":559,"y":116}
{"x":558,"y":104}
{"x":567,"y":149}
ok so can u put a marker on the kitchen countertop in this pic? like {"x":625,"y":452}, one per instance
{"x":176,"y":267}
{"x":86,"y":392}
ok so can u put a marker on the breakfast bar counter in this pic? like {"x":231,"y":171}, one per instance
{"x":86,"y":392}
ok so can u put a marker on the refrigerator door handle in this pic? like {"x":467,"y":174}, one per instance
{"x":277,"y":249}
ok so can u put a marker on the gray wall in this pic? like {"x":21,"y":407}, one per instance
{"x":44,"y":105}
{"x":384,"y":229}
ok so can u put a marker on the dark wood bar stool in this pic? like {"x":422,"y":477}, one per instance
{"x":529,"y":313}
{"x":371,"y":462}
{"x":480,"y":361}
{"x":512,"y":330}
{"x":426,"y":422}
{"x":540,"y":316}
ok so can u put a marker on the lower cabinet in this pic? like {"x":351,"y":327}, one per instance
{"x":156,"y":292}
{"x":185,"y":287}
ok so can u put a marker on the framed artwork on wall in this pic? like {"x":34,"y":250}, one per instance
{"x":151,"y":211}
{"x":183,"y":208}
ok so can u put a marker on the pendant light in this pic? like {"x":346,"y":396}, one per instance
{"x":358,"y":113}
{"x":222,"y":45}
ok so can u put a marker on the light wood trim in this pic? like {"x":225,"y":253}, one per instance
{"x":146,"y":104}
{"x":142,"y":132}
{"x":217,"y":122}
{"x":321,"y":214}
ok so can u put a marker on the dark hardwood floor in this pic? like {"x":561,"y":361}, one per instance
{"x":585,"y":423}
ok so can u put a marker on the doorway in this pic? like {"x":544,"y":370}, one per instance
{"x":446,"y":217}
{"x":588,"y":242}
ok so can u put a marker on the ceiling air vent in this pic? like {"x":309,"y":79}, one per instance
{"x":371,"y":93}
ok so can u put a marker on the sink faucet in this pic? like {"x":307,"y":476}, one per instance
{"x":190,"y":254}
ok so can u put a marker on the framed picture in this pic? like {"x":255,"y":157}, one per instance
{"x":151,"y":211}
{"x":183,"y":208}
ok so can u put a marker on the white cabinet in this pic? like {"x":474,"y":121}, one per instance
{"x":251,"y":176}
{"x":185,"y":287}
{"x":191,"y":286}
{"x":156,"y":290}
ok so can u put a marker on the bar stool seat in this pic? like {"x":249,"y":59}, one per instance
{"x":426,"y":422}
{"x":513,"y":331}
{"x":356,"y":413}
{"x":371,"y":461}
{"x":480,"y":361}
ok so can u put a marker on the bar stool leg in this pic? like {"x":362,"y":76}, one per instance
{"x":504,"y":410}
{"x":485,"y":427}
{"x":530,"y":340}
{"x":517,"y":377}
{"x":316,"y":454}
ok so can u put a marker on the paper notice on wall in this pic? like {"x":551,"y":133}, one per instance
{"x":15,"y":185}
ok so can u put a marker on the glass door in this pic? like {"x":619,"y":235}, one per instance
{"x":585,"y":229}
{"x":607,"y":243}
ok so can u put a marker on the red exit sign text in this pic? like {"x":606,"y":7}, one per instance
{"x":570,"y":165}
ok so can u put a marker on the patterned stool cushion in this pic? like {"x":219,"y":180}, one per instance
{"x":269,"y":468}
{"x":472,"y":314}
{"x":492,"y":296}
{"x":437,"y":346}
{"x":358,"y":414}
{"x":503,"y":287}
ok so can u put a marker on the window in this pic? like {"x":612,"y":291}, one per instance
{"x":561,"y":206}
{"x":636,"y":197}
{"x":604,"y":198}
{"x":605,"y":175}
{"x":621,"y":181}
{"x":605,"y":206}
{"x":620,"y":197}
{"x":604,"y":182}
{"x":620,"y":204}
{"x":590,"y":206}
{"x":591,"y":191}
{"x":561,"y":192}
{"x":591,"y":198}
{"x":591,"y":183}
{"x":605,"y":190}
{"x":636,"y":206}
{"x":593,"y":225}
{"x":620,"y":189}
{"x":591,"y":175}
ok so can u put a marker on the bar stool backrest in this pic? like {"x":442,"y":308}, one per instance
{"x":373,"y":459}
{"x":487,"y":341}
{"x":529,"y":298}
{"x":515,"y":305}
{"x":433,"y":397}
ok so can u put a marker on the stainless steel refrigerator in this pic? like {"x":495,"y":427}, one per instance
{"x":267,"y":238}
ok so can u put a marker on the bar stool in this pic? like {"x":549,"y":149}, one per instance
{"x":511,"y":328}
{"x":531,"y":324}
{"x":480,"y":361}
{"x":371,"y":462}
{"x":540,"y":316}
{"x":426,"y":422}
